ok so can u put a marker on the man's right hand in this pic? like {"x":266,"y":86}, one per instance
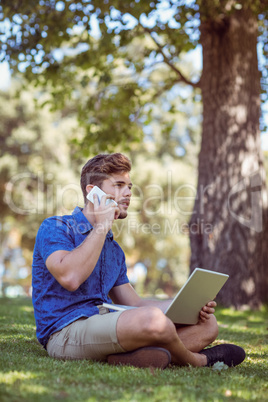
{"x":104,"y":214}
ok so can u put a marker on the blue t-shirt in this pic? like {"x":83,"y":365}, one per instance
{"x":54,"y":306}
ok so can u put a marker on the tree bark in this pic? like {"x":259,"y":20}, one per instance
{"x":230,"y":209}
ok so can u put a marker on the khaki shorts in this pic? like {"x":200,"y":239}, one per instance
{"x":91,"y":338}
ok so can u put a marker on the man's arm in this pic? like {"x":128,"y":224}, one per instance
{"x":126,"y":295}
{"x":72,"y":268}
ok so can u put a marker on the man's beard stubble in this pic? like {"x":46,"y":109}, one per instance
{"x":122,"y":215}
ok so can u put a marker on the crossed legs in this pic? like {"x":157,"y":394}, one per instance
{"x":148,"y":326}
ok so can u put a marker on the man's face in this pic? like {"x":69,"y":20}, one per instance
{"x":119,"y":185}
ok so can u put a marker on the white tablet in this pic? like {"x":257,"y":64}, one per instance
{"x":201,"y":287}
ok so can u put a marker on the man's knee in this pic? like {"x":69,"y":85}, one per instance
{"x":157,"y":327}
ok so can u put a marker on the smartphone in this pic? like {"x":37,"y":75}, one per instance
{"x":100,"y":193}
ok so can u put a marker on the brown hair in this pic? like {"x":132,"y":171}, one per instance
{"x":99,"y":168}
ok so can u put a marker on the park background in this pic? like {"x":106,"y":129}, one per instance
{"x":181,"y":88}
{"x":125,"y":76}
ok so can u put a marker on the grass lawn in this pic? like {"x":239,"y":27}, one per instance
{"x":28,"y":374}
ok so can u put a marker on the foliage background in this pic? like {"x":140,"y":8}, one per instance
{"x":43,"y":150}
{"x":39,"y":176}
{"x":40,"y":173}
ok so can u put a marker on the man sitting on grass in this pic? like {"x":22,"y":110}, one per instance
{"x":77,"y":266}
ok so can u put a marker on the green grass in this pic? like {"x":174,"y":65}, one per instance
{"x":28,"y":374}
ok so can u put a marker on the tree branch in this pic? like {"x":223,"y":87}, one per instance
{"x":182,"y":78}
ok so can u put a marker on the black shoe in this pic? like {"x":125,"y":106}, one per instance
{"x":143,"y":357}
{"x":231,"y":355}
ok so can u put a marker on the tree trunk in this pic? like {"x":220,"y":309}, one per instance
{"x":231,"y":204}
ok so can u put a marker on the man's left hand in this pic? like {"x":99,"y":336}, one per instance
{"x":207,"y":310}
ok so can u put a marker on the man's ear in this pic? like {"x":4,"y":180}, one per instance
{"x":89,"y":187}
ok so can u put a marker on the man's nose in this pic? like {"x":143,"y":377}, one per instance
{"x":127,"y":192}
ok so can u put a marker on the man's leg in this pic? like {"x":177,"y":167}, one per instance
{"x":197,"y":337}
{"x":91,"y":338}
{"x":148,"y":326}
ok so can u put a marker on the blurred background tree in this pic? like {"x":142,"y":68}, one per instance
{"x":120,"y":68}
{"x":37,"y":175}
